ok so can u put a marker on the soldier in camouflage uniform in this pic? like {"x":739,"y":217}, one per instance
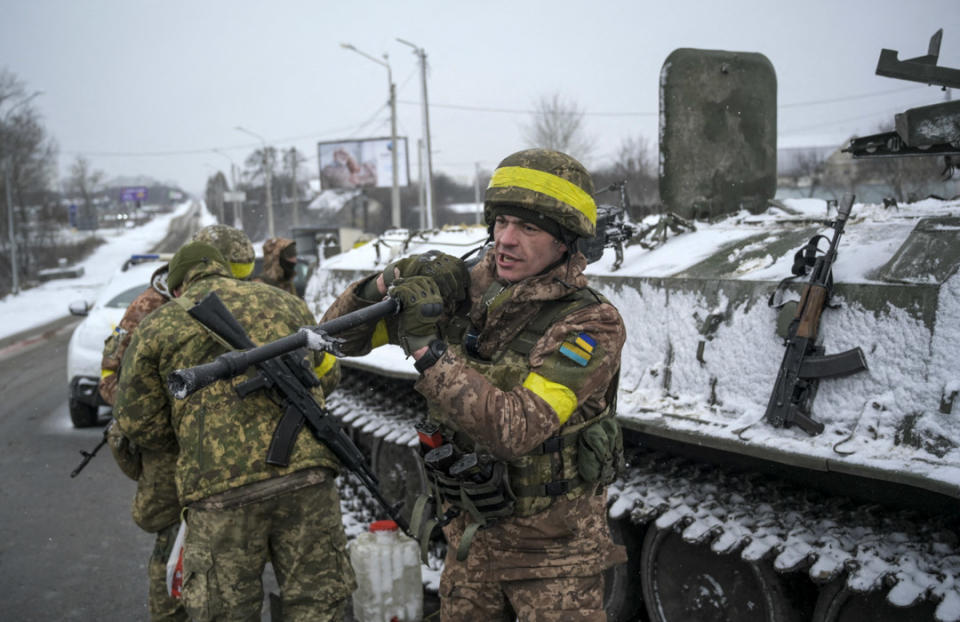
{"x":233,"y":244}
{"x":521,"y":376}
{"x":279,"y":264}
{"x":240,"y":511}
{"x":155,"y":505}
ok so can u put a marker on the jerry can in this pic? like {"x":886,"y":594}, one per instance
{"x":387,"y":565}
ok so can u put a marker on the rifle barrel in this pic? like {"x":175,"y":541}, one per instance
{"x":183,"y":382}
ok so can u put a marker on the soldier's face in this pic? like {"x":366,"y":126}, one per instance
{"x":523,"y":249}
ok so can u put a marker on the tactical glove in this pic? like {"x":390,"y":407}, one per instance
{"x":421,"y":307}
{"x":449,"y":273}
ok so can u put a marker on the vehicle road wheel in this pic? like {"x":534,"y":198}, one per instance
{"x":82,"y":415}
{"x":621,"y":598}
{"x":690,"y":583}
{"x":400,"y":473}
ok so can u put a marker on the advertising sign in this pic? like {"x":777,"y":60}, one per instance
{"x":135,"y":193}
{"x":364,"y":163}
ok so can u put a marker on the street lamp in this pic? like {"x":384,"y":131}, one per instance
{"x":266,"y":172}
{"x":422,"y":55}
{"x":237,"y":220}
{"x":395,"y":195}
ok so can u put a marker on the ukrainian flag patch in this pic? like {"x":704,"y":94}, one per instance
{"x":580,"y":350}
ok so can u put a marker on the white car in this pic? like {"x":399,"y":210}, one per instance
{"x":85,"y":350}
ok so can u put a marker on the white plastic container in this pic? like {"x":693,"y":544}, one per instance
{"x":389,"y":585}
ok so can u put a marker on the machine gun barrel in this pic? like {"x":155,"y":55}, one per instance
{"x":183,"y":382}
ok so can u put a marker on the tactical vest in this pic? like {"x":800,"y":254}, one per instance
{"x":528,"y":484}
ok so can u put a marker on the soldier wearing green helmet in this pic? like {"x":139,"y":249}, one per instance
{"x":518,"y":363}
{"x":240,"y":511}
{"x":233,"y":244}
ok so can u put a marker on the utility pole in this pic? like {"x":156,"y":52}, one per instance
{"x":423,"y":187}
{"x":395,"y":194}
{"x":422,"y":55}
{"x":267,"y":166}
{"x":294,"y":163}
{"x":14,"y":268}
{"x":477,"y":197}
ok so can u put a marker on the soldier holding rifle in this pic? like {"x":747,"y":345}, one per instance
{"x":240,"y":511}
{"x":518,"y":362}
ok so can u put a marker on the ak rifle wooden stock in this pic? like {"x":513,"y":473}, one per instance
{"x":804,"y":362}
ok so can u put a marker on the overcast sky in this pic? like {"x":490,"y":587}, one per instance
{"x":154,"y":88}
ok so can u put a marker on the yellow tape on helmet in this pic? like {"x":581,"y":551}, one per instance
{"x":548,"y":184}
{"x":241,"y":270}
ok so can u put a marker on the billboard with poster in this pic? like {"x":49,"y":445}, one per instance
{"x":362,"y":163}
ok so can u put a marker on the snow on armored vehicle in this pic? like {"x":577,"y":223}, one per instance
{"x":725,"y":515}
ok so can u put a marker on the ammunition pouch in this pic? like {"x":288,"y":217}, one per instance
{"x":600,"y":451}
{"x":484,"y":494}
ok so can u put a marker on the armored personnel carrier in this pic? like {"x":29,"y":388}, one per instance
{"x":727,"y":516}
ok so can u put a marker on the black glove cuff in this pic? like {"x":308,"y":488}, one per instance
{"x":434,"y":351}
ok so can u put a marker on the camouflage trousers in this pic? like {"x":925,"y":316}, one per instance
{"x":163,"y":608}
{"x":300,"y":533}
{"x":560,"y":599}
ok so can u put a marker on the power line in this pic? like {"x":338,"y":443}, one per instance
{"x":355,"y":129}
{"x":813,"y":102}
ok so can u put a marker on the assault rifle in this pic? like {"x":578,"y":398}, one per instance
{"x":804,"y":362}
{"x":89,"y":455}
{"x":283,"y":370}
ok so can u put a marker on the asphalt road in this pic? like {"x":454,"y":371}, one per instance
{"x":68,"y":547}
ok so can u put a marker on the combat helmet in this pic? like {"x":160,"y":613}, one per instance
{"x":547,"y":183}
{"x":233,"y":244}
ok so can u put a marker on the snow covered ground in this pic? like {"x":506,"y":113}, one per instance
{"x":49,"y":301}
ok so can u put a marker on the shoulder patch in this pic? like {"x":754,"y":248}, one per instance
{"x":580,"y":350}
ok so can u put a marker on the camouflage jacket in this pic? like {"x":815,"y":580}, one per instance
{"x":155,"y":504}
{"x":118,"y":341}
{"x":272,"y":270}
{"x":222,"y":440}
{"x":510,"y":420}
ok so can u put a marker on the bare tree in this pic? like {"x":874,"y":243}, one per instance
{"x":808,"y":164}
{"x":85,"y":182}
{"x":637,"y":164}
{"x":27,"y":155}
{"x":557,"y":123}
{"x":216,"y":185}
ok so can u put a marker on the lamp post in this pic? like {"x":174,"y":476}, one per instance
{"x":422,"y":55}
{"x":237,"y":220}
{"x":266,"y":172}
{"x":395,"y":194}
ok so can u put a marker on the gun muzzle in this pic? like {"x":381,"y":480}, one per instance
{"x":183,"y":382}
